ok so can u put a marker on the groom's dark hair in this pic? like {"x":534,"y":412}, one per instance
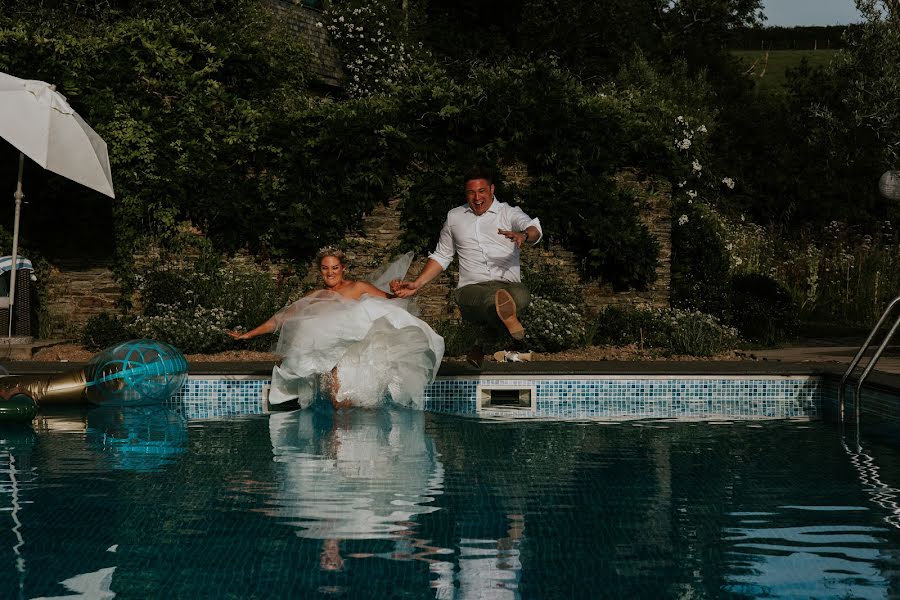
{"x":480,"y":172}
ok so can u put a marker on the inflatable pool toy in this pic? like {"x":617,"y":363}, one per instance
{"x":132,"y":373}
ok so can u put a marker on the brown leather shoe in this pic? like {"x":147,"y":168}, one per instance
{"x":475,"y":358}
{"x":506,"y":310}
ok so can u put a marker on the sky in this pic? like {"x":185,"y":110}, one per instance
{"x":787,"y":13}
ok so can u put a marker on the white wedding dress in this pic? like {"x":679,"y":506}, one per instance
{"x":376,"y":346}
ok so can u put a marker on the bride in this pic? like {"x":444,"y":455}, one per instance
{"x":352,"y":341}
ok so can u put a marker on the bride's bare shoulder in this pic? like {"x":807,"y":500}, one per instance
{"x":360,"y":288}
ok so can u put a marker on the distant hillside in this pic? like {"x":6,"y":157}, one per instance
{"x":790,"y":38}
{"x":768,"y":68}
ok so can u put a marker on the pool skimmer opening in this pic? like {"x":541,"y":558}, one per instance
{"x":506,"y":397}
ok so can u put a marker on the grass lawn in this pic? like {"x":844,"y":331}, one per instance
{"x":770,"y":75}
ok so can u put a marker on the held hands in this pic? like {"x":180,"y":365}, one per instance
{"x":403,"y":289}
{"x":517,"y":237}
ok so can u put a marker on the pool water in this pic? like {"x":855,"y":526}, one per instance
{"x":399,"y":504}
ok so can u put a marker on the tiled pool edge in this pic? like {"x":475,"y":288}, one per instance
{"x":614,"y":397}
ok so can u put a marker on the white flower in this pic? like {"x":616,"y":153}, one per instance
{"x":683,"y":219}
{"x":738,"y":261}
{"x":682,"y":184}
{"x":318,"y":23}
{"x":684,"y":144}
{"x":696,"y":166}
{"x":702,"y":129}
{"x":692,"y":194}
{"x":729,"y":183}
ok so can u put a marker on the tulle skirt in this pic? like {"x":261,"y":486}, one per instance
{"x":368,"y":350}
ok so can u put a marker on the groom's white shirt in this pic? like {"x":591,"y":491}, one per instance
{"x":484,"y":254}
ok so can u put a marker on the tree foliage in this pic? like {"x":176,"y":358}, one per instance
{"x":592,"y":39}
{"x":813,"y":154}
{"x":189,"y":106}
{"x":570,"y":141}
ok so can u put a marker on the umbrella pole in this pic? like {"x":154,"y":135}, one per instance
{"x":15,"y":247}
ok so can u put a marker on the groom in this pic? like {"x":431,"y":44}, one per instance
{"x":487,"y":235}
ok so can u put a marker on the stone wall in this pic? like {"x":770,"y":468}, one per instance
{"x":74,"y":295}
{"x":302,"y":20}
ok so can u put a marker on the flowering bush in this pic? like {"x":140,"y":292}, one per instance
{"x":189,"y":327}
{"x":671,"y":330}
{"x":552,"y":326}
{"x":699,"y":334}
{"x":371,"y":42}
{"x":700,"y":262}
{"x":192,"y":305}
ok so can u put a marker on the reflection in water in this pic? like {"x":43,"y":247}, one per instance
{"x":836,"y":561}
{"x":354,"y":474}
{"x":491,"y":568}
{"x":396,"y":503}
{"x":358,"y":475}
{"x":87,"y":586}
{"x":15,"y":447}
{"x":138,"y":438}
{"x":869,"y":475}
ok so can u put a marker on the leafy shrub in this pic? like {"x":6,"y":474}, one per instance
{"x":192,"y":305}
{"x":670,"y":330}
{"x":371,"y":40}
{"x":190,"y":328}
{"x":461,"y":336}
{"x":762,"y":309}
{"x":552,"y":326}
{"x":545,"y":282}
{"x":623,"y":326}
{"x":570,"y":140}
{"x":104,"y":330}
{"x":698,"y":334}
{"x":700,"y":261}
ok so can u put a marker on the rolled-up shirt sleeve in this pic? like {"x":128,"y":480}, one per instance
{"x":445,"y":251}
{"x":521,"y":222}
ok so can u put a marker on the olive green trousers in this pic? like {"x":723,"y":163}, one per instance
{"x":476,"y":301}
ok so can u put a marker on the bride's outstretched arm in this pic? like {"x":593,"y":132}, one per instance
{"x":267,"y":327}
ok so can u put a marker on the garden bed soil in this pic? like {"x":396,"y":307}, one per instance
{"x":75,"y":353}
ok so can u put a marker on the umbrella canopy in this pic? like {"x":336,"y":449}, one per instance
{"x":39,"y":122}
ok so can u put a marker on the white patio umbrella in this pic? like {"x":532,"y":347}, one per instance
{"x":39,"y":122}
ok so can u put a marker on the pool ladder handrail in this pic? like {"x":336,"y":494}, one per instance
{"x":871,"y":364}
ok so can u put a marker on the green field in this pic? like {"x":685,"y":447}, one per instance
{"x":770,"y":75}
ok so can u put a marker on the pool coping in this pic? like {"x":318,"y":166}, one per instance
{"x":889,"y":382}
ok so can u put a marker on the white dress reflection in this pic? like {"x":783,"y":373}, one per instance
{"x":368,"y":475}
{"x":491,"y":568}
{"x":354,"y":475}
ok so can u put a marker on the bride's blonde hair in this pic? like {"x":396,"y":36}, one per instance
{"x":331,"y":251}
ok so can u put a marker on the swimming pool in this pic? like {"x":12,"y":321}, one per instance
{"x":143,"y":503}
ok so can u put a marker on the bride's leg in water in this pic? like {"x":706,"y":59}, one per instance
{"x":334,"y":388}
